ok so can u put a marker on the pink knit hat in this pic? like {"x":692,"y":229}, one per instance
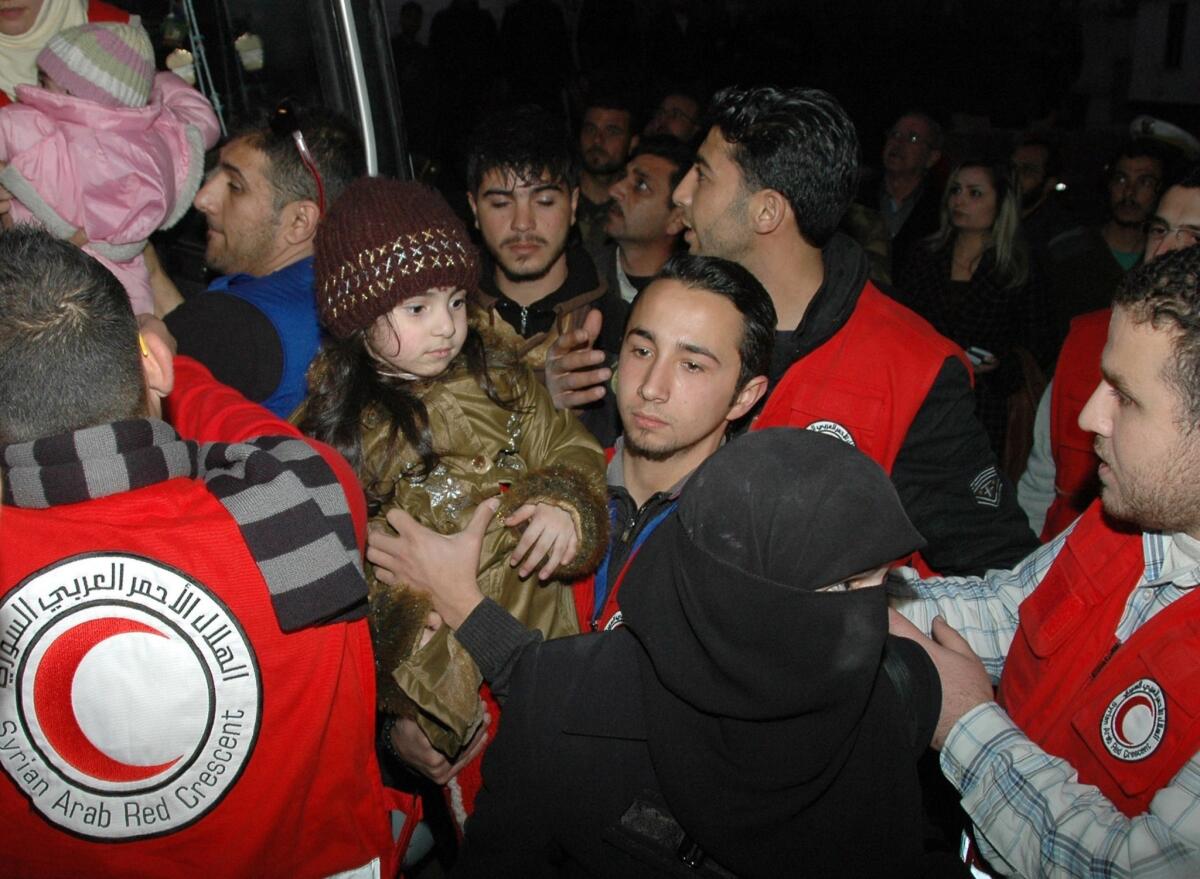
{"x":111,"y":64}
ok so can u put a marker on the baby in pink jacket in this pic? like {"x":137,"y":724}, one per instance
{"x":106,"y":151}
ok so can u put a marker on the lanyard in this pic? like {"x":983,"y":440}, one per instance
{"x":600,"y":590}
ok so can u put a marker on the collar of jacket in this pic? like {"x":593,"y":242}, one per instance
{"x":581,"y":286}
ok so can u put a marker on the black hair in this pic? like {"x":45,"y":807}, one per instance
{"x":68,"y":340}
{"x":666,"y":147}
{"x":345,"y":384}
{"x":528,"y":142}
{"x":797,"y":141}
{"x":613,"y":96}
{"x":1190,"y":178}
{"x":1054,"y":163}
{"x":1165,"y":292}
{"x":336,"y":150}
{"x":1146,"y":148}
{"x":734,"y":282}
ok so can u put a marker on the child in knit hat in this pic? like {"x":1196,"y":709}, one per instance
{"x":437,"y":416}
{"x":106,"y":151}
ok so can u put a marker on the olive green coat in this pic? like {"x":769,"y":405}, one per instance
{"x":532,"y":453}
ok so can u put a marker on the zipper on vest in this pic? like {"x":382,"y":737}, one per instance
{"x":1104,"y":661}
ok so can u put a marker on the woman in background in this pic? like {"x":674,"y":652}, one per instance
{"x":972,"y":280}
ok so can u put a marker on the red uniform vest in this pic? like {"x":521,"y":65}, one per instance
{"x":1127,"y":718}
{"x":866,"y":384}
{"x":1075,"y":461}
{"x":250,"y":752}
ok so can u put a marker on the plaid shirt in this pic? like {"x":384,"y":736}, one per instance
{"x":1032,"y":816}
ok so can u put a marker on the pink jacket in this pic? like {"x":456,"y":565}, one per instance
{"x":116,"y":173}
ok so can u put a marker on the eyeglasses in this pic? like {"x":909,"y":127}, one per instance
{"x":904,"y":136}
{"x":285,"y":122}
{"x":1187,"y":236}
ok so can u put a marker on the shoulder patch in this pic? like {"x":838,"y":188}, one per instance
{"x":986,"y":487}
{"x":130,"y":696}
{"x":832,"y":428}
{"x":1134,"y":722}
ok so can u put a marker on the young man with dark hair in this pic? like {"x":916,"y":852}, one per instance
{"x":256,"y":326}
{"x":769,"y":187}
{"x":1087,"y":263}
{"x":185,"y":668}
{"x":607,"y":134}
{"x":523,"y":189}
{"x":1085,"y":761}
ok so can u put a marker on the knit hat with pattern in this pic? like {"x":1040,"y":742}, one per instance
{"x":382,"y":242}
{"x":111,"y":64}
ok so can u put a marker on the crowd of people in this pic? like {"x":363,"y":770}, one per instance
{"x":667,"y":523}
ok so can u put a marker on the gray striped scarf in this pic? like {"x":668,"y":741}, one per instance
{"x":285,"y":499}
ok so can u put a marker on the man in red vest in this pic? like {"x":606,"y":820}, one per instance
{"x":1085,"y":761}
{"x":1061,"y":471}
{"x":186,"y":682}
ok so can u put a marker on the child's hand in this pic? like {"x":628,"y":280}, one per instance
{"x":549,"y":534}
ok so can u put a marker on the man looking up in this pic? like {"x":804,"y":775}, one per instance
{"x":642,"y":222}
{"x":606,"y":136}
{"x":523,"y":189}
{"x":771,"y":182}
{"x":1086,"y":760}
{"x":903,"y":194}
{"x":185,"y":668}
{"x":256,"y":325}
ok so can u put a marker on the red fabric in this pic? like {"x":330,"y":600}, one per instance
{"x":97,"y":11}
{"x":309,"y":801}
{"x":846,"y":386}
{"x":1075,"y":461}
{"x":1060,"y":677}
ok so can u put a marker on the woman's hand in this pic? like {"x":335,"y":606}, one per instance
{"x":549,"y":534}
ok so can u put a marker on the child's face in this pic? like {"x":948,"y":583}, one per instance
{"x":422,"y":334}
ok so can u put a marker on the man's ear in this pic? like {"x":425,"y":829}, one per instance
{"x":674,"y":221}
{"x":633,"y":142}
{"x":935,"y":156}
{"x":158,"y":370}
{"x":747,"y":397}
{"x":574,"y":203}
{"x":768,"y":210}
{"x":474,"y":208}
{"x":300,"y":219}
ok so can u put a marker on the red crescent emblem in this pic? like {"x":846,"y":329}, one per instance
{"x":52,"y":700}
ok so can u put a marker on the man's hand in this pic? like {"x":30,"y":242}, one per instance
{"x":166,"y":295}
{"x":413,"y":747}
{"x":549,"y":534}
{"x":444,"y":566}
{"x":575,"y":374}
{"x":965,"y":682}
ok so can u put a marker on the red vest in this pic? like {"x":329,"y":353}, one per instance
{"x":236,"y":750}
{"x":866,"y":384}
{"x":1128,"y":720}
{"x":1075,"y":461}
